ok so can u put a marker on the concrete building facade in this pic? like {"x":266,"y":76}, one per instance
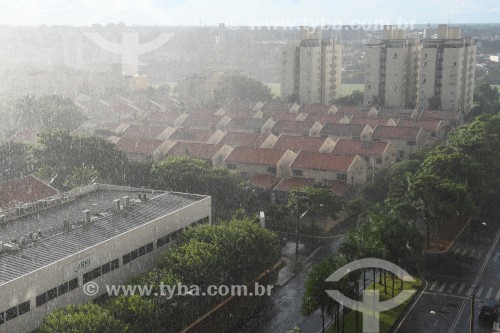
{"x":311,"y":69}
{"x":430,"y":73}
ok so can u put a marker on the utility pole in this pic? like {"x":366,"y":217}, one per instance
{"x":472,"y":301}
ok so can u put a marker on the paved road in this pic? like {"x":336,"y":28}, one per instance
{"x":284,"y":313}
{"x":471,"y":266}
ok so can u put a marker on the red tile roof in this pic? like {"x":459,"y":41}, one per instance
{"x":299,"y":143}
{"x":164,"y":118}
{"x":292,"y":126}
{"x":24,"y":190}
{"x":266,"y":182}
{"x":284,"y":116}
{"x":288,"y":184}
{"x":395,"y":113}
{"x":276,"y":107}
{"x":258,"y":156}
{"x":248,"y":114}
{"x":322,"y":161}
{"x":143,"y":131}
{"x":202,"y":120}
{"x":234,"y":139}
{"x":427,"y":124}
{"x":358,"y":147}
{"x":247,"y":124}
{"x":138,"y":145}
{"x":202,"y":151}
{"x":349,"y":110}
{"x":193,"y":135}
{"x":370,"y":121}
{"x":314,"y":108}
{"x":240,"y":106}
{"x":394,"y":132}
{"x":201,"y":111}
{"x":324,"y":118}
{"x":342,"y":130}
{"x":440,"y":115}
{"x":28,"y":136}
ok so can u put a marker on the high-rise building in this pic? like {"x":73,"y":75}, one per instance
{"x":311,"y":69}
{"x":429,"y":73}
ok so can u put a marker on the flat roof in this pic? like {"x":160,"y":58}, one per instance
{"x":56,"y":244}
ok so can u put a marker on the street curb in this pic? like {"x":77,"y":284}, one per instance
{"x":397,"y":324}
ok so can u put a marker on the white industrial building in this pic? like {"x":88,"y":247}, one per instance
{"x":102,"y":233}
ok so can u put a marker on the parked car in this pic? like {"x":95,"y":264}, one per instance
{"x":489,"y":311}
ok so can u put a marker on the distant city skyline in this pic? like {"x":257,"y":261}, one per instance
{"x":246,"y":13}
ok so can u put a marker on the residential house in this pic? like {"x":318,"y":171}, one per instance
{"x":250,"y":161}
{"x":24,"y":190}
{"x":327,"y":166}
{"x":250,"y":125}
{"x":138,"y":149}
{"x":297,"y":143}
{"x":162,"y":118}
{"x":406,"y":139}
{"x":433,"y":128}
{"x":26,"y":136}
{"x":206,"y":121}
{"x":377,"y":154}
{"x":372,"y":122}
{"x":196,"y":135}
{"x":148,"y":132}
{"x":214,"y":154}
{"x":242,"y":139}
{"x":346,"y":131}
{"x":295,"y":128}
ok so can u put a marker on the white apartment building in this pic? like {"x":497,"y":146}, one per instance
{"x":406,"y":73}
{"x":311,"y":69}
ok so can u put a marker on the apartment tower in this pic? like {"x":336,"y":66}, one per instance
{"x":311,"y":68}
{"x":429,"y":73}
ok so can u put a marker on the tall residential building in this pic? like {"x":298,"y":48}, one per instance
{"x":429,"y":73}
{"x":311,"y":69}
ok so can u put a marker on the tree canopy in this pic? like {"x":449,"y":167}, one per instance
{"x":241,"y":88}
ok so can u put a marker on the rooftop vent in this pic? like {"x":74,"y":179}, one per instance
{"x":86,"y":216}
{"x":126,"y":201}
{"x":116,"y":205}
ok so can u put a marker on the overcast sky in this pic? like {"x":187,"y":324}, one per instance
{"x":246,"y":13}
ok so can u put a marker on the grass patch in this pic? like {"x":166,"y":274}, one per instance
{"x":387,"y":318}
{"x":348,"y":88}
{"x":275,"y":88}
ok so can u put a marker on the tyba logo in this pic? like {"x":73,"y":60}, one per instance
{"x":371,"y":305}
{"x":129,"y":49}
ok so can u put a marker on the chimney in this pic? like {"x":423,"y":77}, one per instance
{"x":86,"y":214}
{"x":66,"y":225}
{"x":144,"y":197}
{"x":126,"y":201}
{"x":116,"y":205}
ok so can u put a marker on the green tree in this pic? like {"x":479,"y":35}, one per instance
{"x":81,"y":176}
{"x":486,"y":100}
{"x":85,"y":318}
{"x":15,"y":161}
{"x":240,"y":88}
{"x":355,"y":98}
{"x":315,"y":296}
{"x":318,"y":201}
{"x":186,"y":174}
{"x":135,"y":311}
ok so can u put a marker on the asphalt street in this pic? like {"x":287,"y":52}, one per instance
{"x":472,"y":265}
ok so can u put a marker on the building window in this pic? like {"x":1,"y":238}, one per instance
{"x":342,"y":177}
{"x":11,"y":313}
{"x":271,"y":170}
{"x":2,"y":318}
{"x":51,"y":294}
{"x":23,"y":307}
{"x":142,"y":251}
{"x":378,"y":160}
{"x":62,"y":289}
{"x":41,"y":299}
{"x":106,"y":268}
{"x":96,"y":273}
{"x":298,"y":173}
{"x":87,"y":277}
{"x":366,"y":158}
{"x":73,"y":284}
{"x":126,"y":259}
{"x":231,"y":166}
{"x":149,"y":247}
{"x":433,"y":134}
{"x":411,"y":143}
{"x":134,"y":255}
{"x":115,"y":264}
